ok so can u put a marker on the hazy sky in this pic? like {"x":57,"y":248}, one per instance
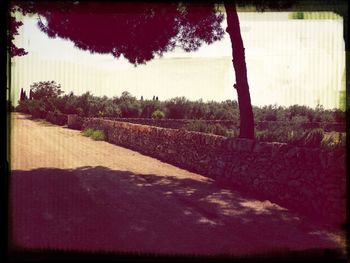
{"x":288,"y":61}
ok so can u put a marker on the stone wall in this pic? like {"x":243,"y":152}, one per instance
{"x":74,"y":121}
{"x":180,"y":123}
{"x":57,"y":118}
{"x":311,"y":181}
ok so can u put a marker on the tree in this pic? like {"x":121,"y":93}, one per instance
{"x":21,"y":96}
{"x":45,"y":90}
{"x":242,"y":87}
{"x":30,"y":95}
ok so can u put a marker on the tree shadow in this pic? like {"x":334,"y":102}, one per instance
{"x":98,"y":209}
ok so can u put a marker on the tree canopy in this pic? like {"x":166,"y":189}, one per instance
{"x":139,"y":32}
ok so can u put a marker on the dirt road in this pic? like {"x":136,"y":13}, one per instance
{"x":70,"y":192}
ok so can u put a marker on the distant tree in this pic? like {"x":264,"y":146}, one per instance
{"x":21,"y":96}
{"x":157,"y":98}
{"x":141,"y":98}
{"x":178,"y":108}
{"x":45,"y":90}
{"x":154,"y":97}
{"x":30,"y":94}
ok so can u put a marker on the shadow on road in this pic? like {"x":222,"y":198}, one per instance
{"x":98,"y":209}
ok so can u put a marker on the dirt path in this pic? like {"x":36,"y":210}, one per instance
{"x":70,"y":192}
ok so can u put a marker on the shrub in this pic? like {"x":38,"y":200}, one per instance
{"x":56,"y":117}
{"x":98,"y":135}
{"x":217,"y":129}
{"x":202,"y":126}
{"x":112,"y":110}
{"x":178,"y":108}
{"x":271,"y":117}
{"x":196,"y":125}
{"x":339,"y":116}
{"x":37,"y":109}
{"x":50,"y":117}
{"x":313,"y":137}
{"x":158,"y":114}
{"x":333,"y":141}
{"x":87,"y":132}
{"x":61,"y":119}
{"x":150,"y":106}
{"x":23,"y":107}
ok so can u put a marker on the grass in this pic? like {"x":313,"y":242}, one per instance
{"x":87,"y":132}
{"x":97,"y":135}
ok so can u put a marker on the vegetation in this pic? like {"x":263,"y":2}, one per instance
{"x":128,"y":106}
{"x":97,"y":135}
{"x":158,"y":114}
{"x":284,"y":123}
{"x":87,"y":132}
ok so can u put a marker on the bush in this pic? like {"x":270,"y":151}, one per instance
{"x":313,"y":137}
{"x":56,"y":117}
{"x":23,"y":107}
{"x":178,"y":108}
{"x":217,"y":129}
{"x":98,"y":135}
{"x":87,"y":132}
{"x":202,"y":126}
{"x":158,"y":114}
{"x":37,"y":109}
{"x":196,"y":125}
{"x":271,"y":117}
{"x":339,"y":116}
{"x":334,"y":141}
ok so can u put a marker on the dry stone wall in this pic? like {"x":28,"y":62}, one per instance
{"x":180,"y":123}
{"x":311,"y":181}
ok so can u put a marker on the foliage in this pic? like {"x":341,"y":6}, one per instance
{"x":138,"y":32}
{"x":334,"y":141}
{"x":36,"y":108}
{"x":273,"y":123}
{"x":202,"y":126}
{"x":47,"y":97}
{"x":148,"y":107}
{"x":45,"y":90}
{"x":98,"y":135}
{"x":313,"y":137}
{"x":158,"y":114}
{"x":87,"y":132}
{"x":197,"y":125}
{"x":178,"y":108}
{"x":56,"y":117}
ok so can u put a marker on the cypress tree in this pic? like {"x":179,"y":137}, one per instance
{"x":21,"y":95}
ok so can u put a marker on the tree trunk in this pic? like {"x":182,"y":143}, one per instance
{"x":240,"y":68}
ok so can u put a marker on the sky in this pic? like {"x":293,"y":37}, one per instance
{"x":288,"y":62}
